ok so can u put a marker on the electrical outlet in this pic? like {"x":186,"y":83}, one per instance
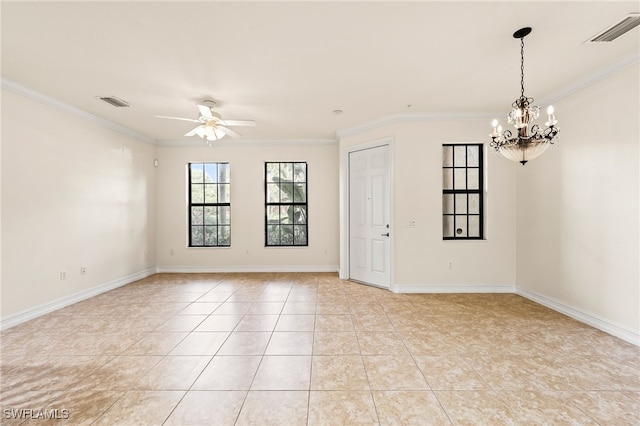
{"x":411,"y":224}
{"x":83,"y":270}
{"x":63,"y":275}
{"x":171,"y":252}
{"x":451,"y":264}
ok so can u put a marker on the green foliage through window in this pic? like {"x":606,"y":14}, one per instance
{"x":209,"y":205}
{"x":286,"y":204}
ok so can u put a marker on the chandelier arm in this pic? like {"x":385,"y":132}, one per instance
{"x":535,"y":129}
{"x":550,"y":134}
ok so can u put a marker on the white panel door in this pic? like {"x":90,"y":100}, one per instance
{"x":369,"y":211}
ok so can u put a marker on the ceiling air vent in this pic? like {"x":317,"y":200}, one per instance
{"x":116,"y":102}
{"x":626,"y":24}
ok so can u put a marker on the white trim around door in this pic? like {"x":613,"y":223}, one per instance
{"x":344,"y":271}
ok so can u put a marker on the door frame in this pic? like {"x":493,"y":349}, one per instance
{"x":343,"y":270}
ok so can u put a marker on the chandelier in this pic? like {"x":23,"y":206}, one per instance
{"x":529,"y":140}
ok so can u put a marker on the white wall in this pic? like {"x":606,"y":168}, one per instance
{"x":421,"y":257}
{"x":77,"y":194}
{"x":73,"y":194}
{"x":578,"y":215}
{"x":248,"y":251}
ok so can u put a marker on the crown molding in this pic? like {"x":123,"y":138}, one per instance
{"x":19,"y":89}
{"x":576,"y":86}
{"x":199,"y":143}
{"x":590,"y":79}
{"x":398,"y":118}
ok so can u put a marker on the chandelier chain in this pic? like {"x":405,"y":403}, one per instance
{"x":522,"y":67}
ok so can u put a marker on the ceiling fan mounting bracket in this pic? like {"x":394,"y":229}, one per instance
{"x":209,"y":103}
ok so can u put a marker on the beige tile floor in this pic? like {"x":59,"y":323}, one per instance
{"x":310,"y":349}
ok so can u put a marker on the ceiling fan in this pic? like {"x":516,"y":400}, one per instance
{"x":212,"y":127}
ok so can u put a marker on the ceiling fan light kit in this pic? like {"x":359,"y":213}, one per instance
{"x":530,"y":140}
{"x":211,"y":125}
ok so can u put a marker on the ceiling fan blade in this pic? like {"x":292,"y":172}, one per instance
{"x":229,"y":132}
{"x":205,"y":111}
{"x":245,"y":123}
{"x":178,"y":118}
{"x":195,"y":131}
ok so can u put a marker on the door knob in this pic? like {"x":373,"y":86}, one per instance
{"x":384,"y":235}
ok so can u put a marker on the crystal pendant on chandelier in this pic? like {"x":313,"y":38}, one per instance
{"x":529,"y":140}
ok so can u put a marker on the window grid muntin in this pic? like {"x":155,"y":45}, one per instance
{"x":221,"y":229}
{"x":293,"y":203}
{"x":455,"y":190}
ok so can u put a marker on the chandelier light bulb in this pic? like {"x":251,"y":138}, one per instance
{"x":494,"y":133}
{"x":551,"y":119}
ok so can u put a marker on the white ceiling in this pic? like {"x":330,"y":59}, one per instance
{"x":288,"y":65}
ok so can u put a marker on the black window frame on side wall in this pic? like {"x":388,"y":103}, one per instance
{"x":463,"y":192}
{"x":297,"y":207}
{"x":211,"y":208}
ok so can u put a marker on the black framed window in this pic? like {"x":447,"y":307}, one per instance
{"x":462,"y":192}
{"x":209,"y":205}
{"x":285,"y":192}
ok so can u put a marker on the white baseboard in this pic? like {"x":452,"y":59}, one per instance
{"x":247,"y":268}
{"x":610,"y":327}
{"x":593,"y":320}
{"x":45,"y":308}
{"x":467,"y":288}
